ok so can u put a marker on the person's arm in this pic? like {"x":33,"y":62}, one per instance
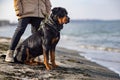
{"x":18,"y":7}
{"x":48,"y":6}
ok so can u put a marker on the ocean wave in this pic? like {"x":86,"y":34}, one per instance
{"x":94,"y":47}
{"x":77,"y":42}
{"x":106,"y":60}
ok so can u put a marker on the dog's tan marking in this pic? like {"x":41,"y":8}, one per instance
{"x":29,"y":61}
{"x":48,"y":67}
{"x":27,"y":58}
{"x":27,"y":52}
{"x":52,"y":55}
{"x":54,"y":40}
{"x":62,"y":20}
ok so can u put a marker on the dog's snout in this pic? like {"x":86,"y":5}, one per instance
{"x":68,"y":19}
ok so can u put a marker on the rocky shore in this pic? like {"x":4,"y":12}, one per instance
{"x":72,"y":66}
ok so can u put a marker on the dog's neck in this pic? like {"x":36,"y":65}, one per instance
{"x":54,"y":24}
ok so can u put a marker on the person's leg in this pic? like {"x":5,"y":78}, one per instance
{"x":35,"y":22}
{"x":22,"y":24}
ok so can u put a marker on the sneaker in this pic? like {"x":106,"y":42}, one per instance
{"x":9,"y":56}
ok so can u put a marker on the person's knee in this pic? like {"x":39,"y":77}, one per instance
{"x":20,"y":30}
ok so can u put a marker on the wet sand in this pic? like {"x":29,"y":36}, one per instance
{"x":72,"y":66}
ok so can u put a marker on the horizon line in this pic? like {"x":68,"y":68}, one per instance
{"x":76,"y":20}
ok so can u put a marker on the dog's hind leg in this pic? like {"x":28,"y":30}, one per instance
{"x":30,"y":59}
{"x":25,"y":56}
{"x":19,"y":54}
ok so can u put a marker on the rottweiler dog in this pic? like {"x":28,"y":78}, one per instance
{"x":44,"y":41}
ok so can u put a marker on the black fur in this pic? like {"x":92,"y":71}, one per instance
{"x":42,"y":39}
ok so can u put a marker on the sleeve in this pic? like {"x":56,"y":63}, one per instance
{"x":18,"y":7}
{"x":48,"y":6}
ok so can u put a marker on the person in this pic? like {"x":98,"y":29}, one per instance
{"x":28,"y":12}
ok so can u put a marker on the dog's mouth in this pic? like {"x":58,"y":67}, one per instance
{"x":67,"y":20}
{"x":64,"y":20}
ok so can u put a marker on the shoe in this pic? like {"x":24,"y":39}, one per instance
{"x":9,"y":56}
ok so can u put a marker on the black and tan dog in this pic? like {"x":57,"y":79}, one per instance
{"x":44,"y":41}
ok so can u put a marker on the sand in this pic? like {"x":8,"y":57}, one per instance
{"x":72,"y":66}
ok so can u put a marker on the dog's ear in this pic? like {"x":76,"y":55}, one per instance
{"x":55,"y":10}
{"x":59,"y":11}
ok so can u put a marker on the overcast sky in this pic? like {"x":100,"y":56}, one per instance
{"x":77,"y":9}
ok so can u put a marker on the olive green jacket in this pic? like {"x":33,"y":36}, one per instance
{"x":32,"y":8}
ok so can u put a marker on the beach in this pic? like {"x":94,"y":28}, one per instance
{"x":71,"y":66}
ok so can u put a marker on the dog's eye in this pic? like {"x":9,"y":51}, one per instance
{"x":62,"y":15}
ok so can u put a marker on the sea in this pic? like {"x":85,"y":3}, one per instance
{"x":96,"y":40}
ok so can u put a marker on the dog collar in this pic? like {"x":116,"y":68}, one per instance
{"x":54,"y":25}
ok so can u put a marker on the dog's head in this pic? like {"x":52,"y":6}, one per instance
{"x":60,"y":15}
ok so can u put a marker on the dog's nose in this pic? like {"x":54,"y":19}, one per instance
{"x":68,"y":20}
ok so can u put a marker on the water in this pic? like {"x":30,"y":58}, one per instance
{"x":99,"y":41}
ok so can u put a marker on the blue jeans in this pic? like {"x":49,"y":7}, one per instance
{"x":22,"y":24}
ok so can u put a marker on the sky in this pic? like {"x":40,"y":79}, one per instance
{"x":77,"y":9}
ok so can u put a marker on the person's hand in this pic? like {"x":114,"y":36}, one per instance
{"x":19,"y":14}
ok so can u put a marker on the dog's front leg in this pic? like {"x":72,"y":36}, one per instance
{"x":52,"y":55}
{"x":52,"y":51}
{"x":46,"y":59}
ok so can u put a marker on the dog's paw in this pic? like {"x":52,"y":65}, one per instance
{"x":54,"y":65}
{"x":48,"y":66}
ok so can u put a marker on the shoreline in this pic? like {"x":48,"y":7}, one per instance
{"x":72,"y":66}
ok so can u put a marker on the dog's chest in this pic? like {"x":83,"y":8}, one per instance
{"x":54,"y":40}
